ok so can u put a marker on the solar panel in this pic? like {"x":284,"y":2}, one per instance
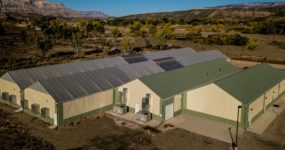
{"x":168,"y":63}
{"x":134,"y":58}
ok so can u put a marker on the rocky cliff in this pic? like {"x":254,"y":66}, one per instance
{"x":45,"y":8}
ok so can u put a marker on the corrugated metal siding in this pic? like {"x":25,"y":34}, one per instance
{"x":87,"y":104}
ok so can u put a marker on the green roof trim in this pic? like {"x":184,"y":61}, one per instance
{"x":251,"y":83}
{"x":173,"y":82}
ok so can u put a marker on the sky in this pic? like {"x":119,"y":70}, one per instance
{"x":127,"y":7}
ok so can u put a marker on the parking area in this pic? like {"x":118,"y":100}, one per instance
{"x":205,"y":127}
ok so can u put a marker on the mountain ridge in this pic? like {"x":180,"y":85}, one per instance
{"x":236,"y":11}
{"x":45,"y":8}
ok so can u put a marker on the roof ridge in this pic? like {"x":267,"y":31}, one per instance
{"x":193,"y":65}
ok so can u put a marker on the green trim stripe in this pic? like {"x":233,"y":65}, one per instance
{"x":87,"y":114}
{"x":256,"y":116}
{"x":46,"y":119}
{"x":10,"y":104}
{"x":184,"y":100}
{"x":211,"y":117}
{"x":177,"y":112}
{"x":59,"y":112}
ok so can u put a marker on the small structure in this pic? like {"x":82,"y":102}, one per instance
{"x":144,"y":115}
{"x":121,"y":107}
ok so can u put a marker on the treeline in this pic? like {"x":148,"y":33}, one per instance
{"x":256,"y":26}
{"x":266,"y":27}
{"x":47,"y":31}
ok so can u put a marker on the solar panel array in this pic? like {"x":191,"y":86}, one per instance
{"x":134,"y":58}
{"x":168,"y":63}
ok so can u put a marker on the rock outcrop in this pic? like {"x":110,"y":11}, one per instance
{"x":43,"y":7}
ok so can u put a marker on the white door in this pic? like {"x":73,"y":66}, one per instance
{"x":137,"y":108}
{"x":168,"y":111}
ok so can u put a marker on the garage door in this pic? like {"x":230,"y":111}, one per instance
{"x":168,"y":111}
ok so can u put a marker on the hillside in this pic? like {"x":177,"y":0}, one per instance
{"x":42,"y":7}
{"x":229,"y":12}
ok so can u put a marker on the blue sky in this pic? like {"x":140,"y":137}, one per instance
{"x":127,"y":7}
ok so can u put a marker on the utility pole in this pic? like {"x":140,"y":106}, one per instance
{"x":235,"y":143}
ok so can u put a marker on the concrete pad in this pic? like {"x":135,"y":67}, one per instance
{"x":262,"y":123}
{"x":132,"y":118}
{"x":205,"y":127}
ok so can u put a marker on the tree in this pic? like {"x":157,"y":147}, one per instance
{"x":251,"y":45}
{"x":43,"y":44}
{"x":152,"y":30}
{"x":164,"y":34}
{"x":116,"y":33}
{"x":135,"y":28}
{"x":127,"y":44}
{"x":75,"y":36}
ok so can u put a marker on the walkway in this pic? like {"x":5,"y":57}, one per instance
{"x":205,"y":127}
{"x":260,"y":125}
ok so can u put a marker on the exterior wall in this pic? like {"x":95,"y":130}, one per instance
{"x":271,"y":94}
{"x":212,"y":100}
{"x":12,"y":88}
{"x":137,"y":91}
{"x":177,"y":102}
{"x":87,"y":104}
{"x":282,"y":87}
{"x":43,"y":99}
{"x":255,"y":108}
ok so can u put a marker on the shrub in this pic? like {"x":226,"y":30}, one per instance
{"x":222,"y":39}
{"x":251,"y":45}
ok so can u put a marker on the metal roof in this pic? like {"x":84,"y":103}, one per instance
{"x":199,"y":57}
{"x":72,"y":80}
{"x":173,"y":82}
{"x":138,"y":70}
{"x":249,"y":84}
{"x":175,"y":53}
{"x":86,"y":83}
{"x":27,"y":77}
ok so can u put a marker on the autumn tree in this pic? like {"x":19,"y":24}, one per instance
{"x":165,"y":33}
{"x":251,"y":45}
{"x":116,"y":33}
{"x":135,"y":28}
{"x":127,"y":44}
{"x":152,"y":30}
